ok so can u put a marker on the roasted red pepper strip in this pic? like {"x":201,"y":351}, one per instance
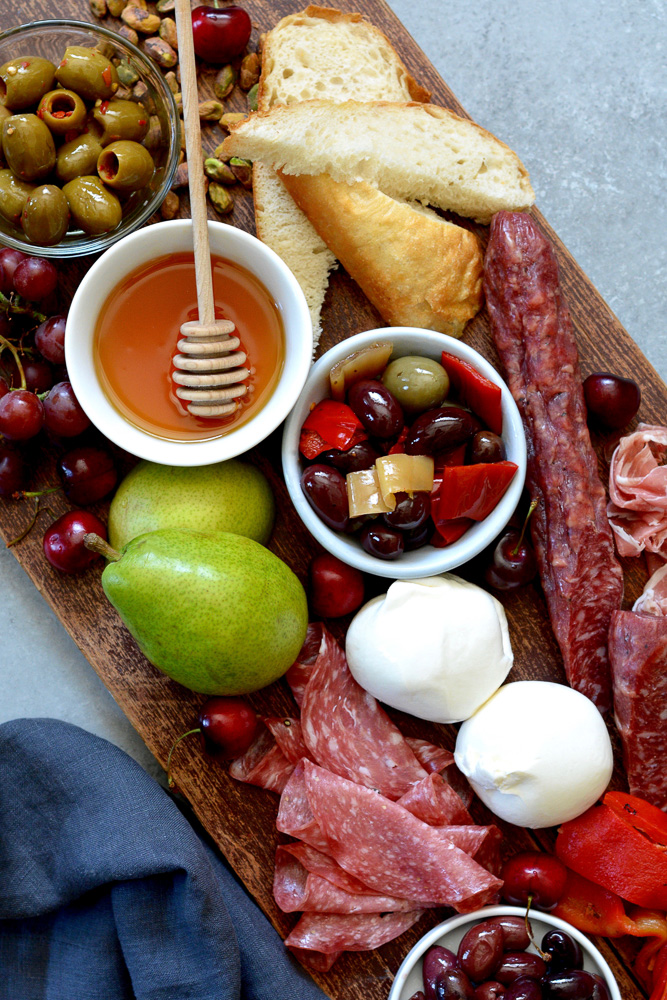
{"x":473,"y":490}
{"x":659,"y":977}
{"x":640,"y":814}
{"x":447,"y":532}
{"x":613,"y":853}
{"x":476,"y":391}
{"x":330,"y":425}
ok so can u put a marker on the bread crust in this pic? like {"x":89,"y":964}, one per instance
{"x":417,"y":270}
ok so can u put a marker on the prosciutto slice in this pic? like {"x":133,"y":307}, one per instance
{"x":348,"y":733}
{"x":638,"y":492}
{"x":331,"y":932}
{"x":263,"y":764}
{"x":389,"y":849}
{"x":638,"y":652}
{"x":653,"y":599}
{"x":435,"y":802}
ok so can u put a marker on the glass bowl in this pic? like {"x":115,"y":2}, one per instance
{"x":49,"y":39}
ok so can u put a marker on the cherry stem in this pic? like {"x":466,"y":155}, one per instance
{"x":35,"y":493}
{"x":38,"y":510}
{"x":4,"y":343}
{"x":533,"y":505}
{"x":94,"y":543}
{"x":170,"y":780}
{"x":529,"y":930}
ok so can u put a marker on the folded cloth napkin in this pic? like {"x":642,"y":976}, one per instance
{"x":108,"y":893}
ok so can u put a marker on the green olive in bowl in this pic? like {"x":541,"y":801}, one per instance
{"x":126,"y":166}
{"x":45,"y":215}
{"x":13,"y":195}
{"x":94,"y":208}
{"x":417,"y":383}
{"x":77,"y":157}
{"x":121,"y":120}
{"x":88,"y":73}
{"x":28,"y":147}
{"x":24,"y":80}
{"x":62,"y":111}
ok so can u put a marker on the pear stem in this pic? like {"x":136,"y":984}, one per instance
{"x":97,"y":544}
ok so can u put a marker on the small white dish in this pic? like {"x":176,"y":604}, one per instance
{"x":449,"y":933}
{"x":148,"y":244}
{"x":426,"y":561}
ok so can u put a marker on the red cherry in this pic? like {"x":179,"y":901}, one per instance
{"x":63,"y":541}
{"x":611,"y":400}
{"x":533,"y":876}
{"x":513,"y":563}
{"x":229,"y":724}
{"x":220,"y":34}
{"x":336,"y":588}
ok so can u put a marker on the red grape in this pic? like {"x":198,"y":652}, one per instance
{"x":4,"y":388}
{"x":9,"y":261}
{"x":38,"y":376}
{"x":229,"y":724}
{"x":50,"y":339}
{"x":12,"y":471}
{"x":336,"y":588}
{"x":220,"y":34}
{"x":531,"y":874}
{"x":88,"y":474}
{"x":35,"y":278}
{"x":21,"y":415}
{"x":611,"y":399}
{"x":63,"y":415}
{"x":63,"y":541}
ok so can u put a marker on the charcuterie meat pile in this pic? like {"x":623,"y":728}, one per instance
{"x":380,"y":832}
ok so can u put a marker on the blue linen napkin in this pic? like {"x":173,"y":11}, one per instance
{"x":108,"y":893}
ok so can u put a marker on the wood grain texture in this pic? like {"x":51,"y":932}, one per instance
{"x":241,"y":819}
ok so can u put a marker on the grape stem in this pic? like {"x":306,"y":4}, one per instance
{"x":533,"y":505}
{"x":4,"y":343}
{"x":16,"y":309}
{"x":170,"y":780}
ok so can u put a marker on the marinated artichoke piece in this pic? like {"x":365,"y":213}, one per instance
{"x":366,"y":363}
{"x":417,"y":383}
{"x":62,"y":111}
{"x":88,"y":73}
{"x":13,"y":195}
{"x":23,"y":81}
{"x":78,"y":157}
{"x":121,"y":120}
{"x":94,"y":208}
{"x":125,"y":166}
{"x":28,"y":147}
{"x":46,"y":215}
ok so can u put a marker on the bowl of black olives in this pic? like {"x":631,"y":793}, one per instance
{"x":405,"y":454}
{"x":490,"y":954}
{"x":89,"y":135}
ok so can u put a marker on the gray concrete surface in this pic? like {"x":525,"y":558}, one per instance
{"x":578,"y":90}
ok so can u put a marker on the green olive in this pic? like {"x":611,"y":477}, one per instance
{"x":13,"y":195}
{"x":62,"y":111}
{"x":46,"y":215}
{"x":125,"y":166}
{"x":94,"y":208}
{"x":28,"y":147}
{"x":121,"y":120}
{"x":77,"y":157}
{"x":417,"y":383}
{"x":23,"y":81}
{"x":88,"y":73}
{"x":4,"y":112}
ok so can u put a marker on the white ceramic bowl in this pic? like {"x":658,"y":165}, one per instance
{"x":448,"y":934}
{"x":427,"y":561}
{"x":146,"y":245}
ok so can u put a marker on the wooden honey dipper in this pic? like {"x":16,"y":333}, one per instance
{"x":209,"y":368}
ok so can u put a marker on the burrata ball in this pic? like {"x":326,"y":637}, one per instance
{"x":436,"y":648}
{"x":536,"y":753}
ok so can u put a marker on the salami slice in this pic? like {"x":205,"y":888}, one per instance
{"x":299,"y":673}
{"x":530,"y":321}
{"x":389,"y":849}
{"x":348,"y":733}
{"x":481,"y":842}
{"x":325,"y":866}
{"x":287,"y":734}
{"x":263,"y":764}
{"x":431,"y":757}
{"x":295,"y":889}
{"x":435,"y":802}
{"x":331,"y":932}
{"x":316,"y":960}
{"x":638,"y":651}
{"x":295,"y":817}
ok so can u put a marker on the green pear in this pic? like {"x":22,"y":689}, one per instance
{"x":217,"y":612}
{"x":229,"y":496}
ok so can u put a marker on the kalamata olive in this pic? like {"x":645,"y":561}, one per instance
{"x":515,"y":935}
{"x":565,"y":951}
{"x":376,"y":408}
{"x":418,"y":536}
{"x":439,"y":430}
{"x":611,"y":399}
{"x":417,"y":383}
{"x":600,"y":991}
{"x":410,"y":512}
{"x":437,"y":960}
{"x":524,"y":988}
{"x":485,"y":446}
{"x":326,"y":493}
{"x":572,"y":985}
{"x":360,"y":456}
{"x":454,"y":985}
{"x":489,"y":991}
{"x":379,"y":540}
{"x":481,"y":950}
{"x":520,"y":963}
{"x":419,"y":995}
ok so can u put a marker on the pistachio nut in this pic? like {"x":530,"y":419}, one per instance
{"x":250,"y":70}
{"x":232,"y":118}
{"x":129,"y":34}
{"x":170,"y":206}
{"x":261,"y":41}
{"x":141,"y":20}
{"x":98,"y":7}
{"x":242,"y":170}
{"x":220,"y":154}
{"x":167,"y":31}
{"x":180,"y":177}
{"x":218,"y":171}
{"x":127,"y":73}
{"x":172,"y":82}
{"x":153,"y":138}
{"x":221,"y":198}
{"x":210,"y":111}
{"x":224,"y":82}
{"x":116,"y":7}
{"x":161,"y":51}
{"x":252,"y":97}
{"x":165,"y":6}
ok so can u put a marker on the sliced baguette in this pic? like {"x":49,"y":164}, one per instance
{"x":318,"y":53}
{"x":410,"y":151}
{"x":416,"y":268}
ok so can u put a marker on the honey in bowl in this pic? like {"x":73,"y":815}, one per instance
{"x":137,"y":331}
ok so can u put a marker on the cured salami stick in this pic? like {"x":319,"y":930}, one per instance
{"x":530,"y":321}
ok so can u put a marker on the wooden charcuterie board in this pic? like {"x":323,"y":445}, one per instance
{"x":240,"y":818}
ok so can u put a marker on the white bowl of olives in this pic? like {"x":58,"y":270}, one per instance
{"x":380,"y":473}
